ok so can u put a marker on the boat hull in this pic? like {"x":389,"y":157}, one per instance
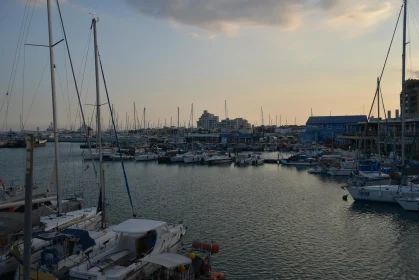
{"x":381,"y":193}
{"x":146,"y":157}
{"x":409,"y":204}
{"x":299,"y":163}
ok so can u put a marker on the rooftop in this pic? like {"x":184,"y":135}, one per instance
{"x":336,"y":119}
{"x":137,"y":226}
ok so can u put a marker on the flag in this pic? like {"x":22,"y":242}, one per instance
{"x":87,"y":167}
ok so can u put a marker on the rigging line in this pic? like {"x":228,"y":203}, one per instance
{"x":25,"y":32}
{"x":37,"y":88}
{"x":62,"y":91}
{"x":23,"y":85}
{"x":75,"y":83}
{"x":391,"y":43}
{"x":116,"y":135}
{"x":66,"y":78}
{"x":14,"y":66}
{"x":410,"y":47}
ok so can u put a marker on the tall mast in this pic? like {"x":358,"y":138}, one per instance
{"x":54,"y":108}
{"x":403,"y":105}
{"x":99,"y":128}
{"x":178,"y":118}
{"x":135,"y":122}
{"x":144,"y":119}
{"x":192,"y":116}
{"x":378,"y":118}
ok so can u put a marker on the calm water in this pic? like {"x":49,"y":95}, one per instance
{"x":272,"y":221}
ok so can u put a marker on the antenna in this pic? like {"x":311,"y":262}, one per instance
{"x":225,"y":108}
{"x":269,"y":119}
{"x":276,"y":120}
{"x":261,"y":112}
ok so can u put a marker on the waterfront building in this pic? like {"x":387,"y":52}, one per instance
{"x":411,"y":98}
{"x":386,"y":133}
{"x":207,"y":121}
{"x":327,"y":128}
{"x":237,"y":124}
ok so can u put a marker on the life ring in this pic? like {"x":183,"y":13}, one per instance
{"x":217,"y":276}
{"x":362,"y":189}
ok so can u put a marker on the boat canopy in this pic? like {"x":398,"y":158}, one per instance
{"x":168,"y":260}
{"x":138,"y":226}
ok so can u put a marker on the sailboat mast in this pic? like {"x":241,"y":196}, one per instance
{"x":54,"y":108}
{"x":144,"y":119}
{"x":403,"y":105}
{"x":135,"y":122}
{"x":378,"y":118}
{"x":99,"y":128}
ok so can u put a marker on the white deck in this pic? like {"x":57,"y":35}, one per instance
{"x":137,"y":226}
{"x":169,"y":260}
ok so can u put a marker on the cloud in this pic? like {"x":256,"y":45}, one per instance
{"x":227,"y":16}
{"x":362,"y":14}
{"x":38,"y":3}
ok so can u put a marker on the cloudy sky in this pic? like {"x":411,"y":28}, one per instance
{"x":287,"y":56}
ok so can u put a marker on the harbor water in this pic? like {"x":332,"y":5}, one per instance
{"x":272,"y":221}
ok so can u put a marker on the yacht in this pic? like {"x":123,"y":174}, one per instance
{"x":257,"y":159}
{"x":127,"y":258}
{"x":219,"y":160}
{"x":146,"y":157}
{"x":300,"y":160}
{"x":194,"y":157}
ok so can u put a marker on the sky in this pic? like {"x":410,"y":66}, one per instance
{"x":289,"y":57}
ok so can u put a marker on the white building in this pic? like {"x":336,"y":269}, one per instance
{"x":207,"y":121}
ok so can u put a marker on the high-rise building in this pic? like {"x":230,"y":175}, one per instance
{"x":411,"y":99}
{"x":207,"y":121}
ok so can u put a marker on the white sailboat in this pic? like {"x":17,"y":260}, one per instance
{"x":389,"y":193}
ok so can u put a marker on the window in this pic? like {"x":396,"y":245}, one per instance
{"x":320,"y":126}
{"x":339,"y":126}
{"x":329,"y":126}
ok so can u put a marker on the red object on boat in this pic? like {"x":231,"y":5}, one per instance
{"x":207,"y":246}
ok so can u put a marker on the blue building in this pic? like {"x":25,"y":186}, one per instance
{"x":325,"y":128}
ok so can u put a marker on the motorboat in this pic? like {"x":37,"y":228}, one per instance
{"x":300,"y":160}
{"x":219,"y":160}
{"x":128,"y":258}
{"x":146,"y":157}
{"x":257,"y":159}
{"x":243,"y":160}
{"x":194,"y":157}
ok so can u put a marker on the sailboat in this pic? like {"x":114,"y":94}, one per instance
{"x":394,"y":192}
{"x":134,"y":239}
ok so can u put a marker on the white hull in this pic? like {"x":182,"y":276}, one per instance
{"x":88,"y":218}
{"x":193,"y":159}
{"x":176,"y":159}
{"x":257,"y":161}
{"x":374,"y":175}
{"x":146,"y":157}
{"x":299,"y":163}
{"x":339,"y":171}
{"x":117,"y":157}
{"x":409,"y":204}
{"x":316,"y":170}
{"x":382,"y":193}
{"x":125,"y":251}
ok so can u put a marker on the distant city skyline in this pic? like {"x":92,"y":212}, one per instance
{"x":289,"y":57}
